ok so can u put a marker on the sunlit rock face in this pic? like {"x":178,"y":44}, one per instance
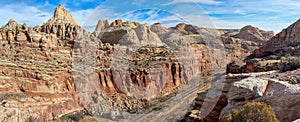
{"x":57,"y":68}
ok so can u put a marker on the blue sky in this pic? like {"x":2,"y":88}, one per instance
{"x":232,"y":14}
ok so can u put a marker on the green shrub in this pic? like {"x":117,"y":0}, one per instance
{"x":289,"y":64}
{"x":252,"y":112}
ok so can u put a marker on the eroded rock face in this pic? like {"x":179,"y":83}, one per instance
{"x":37,"y":65}
{"x":146,"y":36}
{"x":61,"y":12}
{"x":136,"y":62}
{"x":11,"y":25}
{"x":35,"y":83}
{"x":293,"y":77}
{"x":267,"y":57}
{"x":248,"y":89}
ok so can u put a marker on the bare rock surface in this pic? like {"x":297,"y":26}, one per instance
{"x":129,"y":34}
{"x":249,"y":87}
{"x":126,"y":65}
{"x":250,"y":33}
{"x":280,"y":95}
{"x":51,"y":70}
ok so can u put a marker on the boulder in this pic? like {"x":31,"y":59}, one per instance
{"x":21,"y":37}
{"x":247,"y":89}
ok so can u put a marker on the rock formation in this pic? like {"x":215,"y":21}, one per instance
{"x":61,"y":24}
{"x":120,"y":23}
{"x":268,"y":56}
{"x":47,"y":65}
{"x":240,"y":44}
{"x":238,"y":89}
{"x":158,"y":28}
{"x":59,"y":68}
{"x":284,"y":101}
{"x":286,"y":41}
{"x":102,"y":24}
{"x":129,"y":33}
{"x":36,"y":83}
{"x":186,"y":29}
{"x":251,"y":33}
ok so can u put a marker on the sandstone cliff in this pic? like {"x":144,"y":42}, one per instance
{"x":36,"y":81}
{"x":135,"y":61}
{"x":58,"y":68}
{"x":284,"y":43}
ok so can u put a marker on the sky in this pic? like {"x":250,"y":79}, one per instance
{"x":221,"y":14}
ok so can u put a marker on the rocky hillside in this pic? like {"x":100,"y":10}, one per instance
{"x":269,"y":55}
{"x":57,"y":68}
{"x":241,"y":43}
{"x":120,"y":70}
{"x":284,"y":43}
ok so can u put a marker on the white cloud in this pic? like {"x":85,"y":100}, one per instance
{"x":194,"y":1}
{"x":148,"y":17}
{"x":101,"y":12}
{"x":223,"y":24}
{"x":81,"y":15}
{"x":171,"y":21}
{"x":239,"y":11}
{"x":29,"y":14}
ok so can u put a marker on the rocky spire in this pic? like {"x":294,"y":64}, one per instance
{"x":62,"y":14}
{"x":102,"y":24}
{"x":61,"y":24}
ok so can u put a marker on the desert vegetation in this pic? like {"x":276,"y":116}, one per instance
{"x":252,"y":112}
{"x":289,"y":64}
